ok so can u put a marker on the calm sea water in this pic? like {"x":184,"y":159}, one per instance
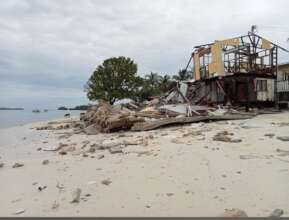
{"x":10,"y":118}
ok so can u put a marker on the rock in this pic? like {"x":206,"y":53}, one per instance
{"x":1,"y":164}
{"x":62,"y":152}
{"x":283,"y":138}
{"x":40,"y":188}
{"x":39,"y":149}
{"x":106,"y":182}
{"x":70,"y":149}
{"x":270,"y":135}
{"x":76,"y":195}
{"x":16,"y":165}
{"x":170,"y":194}
{"x":224,"y":137}
{"x":234,"y":213}
{"x":276,"y":213}
{"x":18,"y":212}
{"x":99,"y":157}
{"x":45,"y":162}
{"x":115,"y":150}
{"x":55,"y":205}
{"x":92,"y":150}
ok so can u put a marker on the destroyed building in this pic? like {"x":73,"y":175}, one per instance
{"x":283,"y":85}
{"x":240,"y":71}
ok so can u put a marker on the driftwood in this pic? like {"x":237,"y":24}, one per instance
{"x":145,"y":126}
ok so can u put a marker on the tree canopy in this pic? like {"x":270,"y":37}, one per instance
{"x":114,"y":79}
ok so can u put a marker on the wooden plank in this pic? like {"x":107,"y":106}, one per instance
{"x":146,"y":126}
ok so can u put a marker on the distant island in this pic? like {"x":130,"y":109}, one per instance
{"x":79,"y":108}
{"x":4,"y":108}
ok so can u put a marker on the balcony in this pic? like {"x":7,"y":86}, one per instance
{"x":283,"y":86}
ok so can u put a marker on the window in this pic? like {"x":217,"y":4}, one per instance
{"x":262,"y":85}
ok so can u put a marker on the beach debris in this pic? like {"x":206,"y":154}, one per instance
{"x":276,"y":213}
{"x":170,"y":194}
{"x":251,"y":156}
{"x":40,"y":188}
{"x":234,"y":213}
{"x":59,"y":186}
{"x":18,"y":212}
{"x":151,"y":125}
{"x":55,"y":205}
{"x":115,"y":150}
{"x":91,"y":182}
{"x":55,"y":148}
{"x":1,"y":164}
{"x":224,"y":137}
{"x":282,"y":153}
{"x":106,"y":182}
{"x":101,"y":156}
{"x":16,"y":165}
{"x":283,"y":138}
{"x":76,"y":195}
{"x":62,"y":152}
{"x":270,"y":135}
{"x":87,"y":195}
{"x":45,"y":162}
{"x":108,"y":118}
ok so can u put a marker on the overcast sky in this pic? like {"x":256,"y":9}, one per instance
{"x":49,"y":48}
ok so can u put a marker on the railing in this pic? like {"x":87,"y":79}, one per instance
{"x":283,"y":86}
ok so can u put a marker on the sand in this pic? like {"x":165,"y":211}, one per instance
{"x":178,"y":173}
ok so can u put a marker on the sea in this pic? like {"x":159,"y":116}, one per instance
{"x":11,"y":118}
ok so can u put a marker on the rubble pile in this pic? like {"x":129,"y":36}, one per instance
{"x":108,"y":118}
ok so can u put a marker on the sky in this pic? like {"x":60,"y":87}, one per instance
{"x":49,"y":48}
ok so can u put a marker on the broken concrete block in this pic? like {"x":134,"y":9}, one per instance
{"x":99,"y":157}
{"x":106,"y":182}
{"x":76,"y":195}
{"x":45,"y":162}
{"x":115,"y":150}
{"x":276,"y":213}
{"x":16,"y":165}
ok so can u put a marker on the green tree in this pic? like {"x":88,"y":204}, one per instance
{"x":114,"y":79}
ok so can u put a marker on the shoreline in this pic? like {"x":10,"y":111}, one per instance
{"x":173,"y":171}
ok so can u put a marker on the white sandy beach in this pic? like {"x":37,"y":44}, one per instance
{"x":180,"y":172}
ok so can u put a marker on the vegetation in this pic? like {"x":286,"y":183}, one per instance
{"x":116,"y":79}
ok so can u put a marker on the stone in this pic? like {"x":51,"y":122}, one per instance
{"x":170,"y":194}
{"x":45,"y":162}
{"x":106,"y":182}
{"x":18,"y":212}
{"x":76,"y":195}
{"x":276,"y":213}
{"x":1,"y":164}
{"x":101,"y":156}
{"x":39,"y":149}
{"x":283,"y":138}
{"x":234,"y":213}
{"x":115,"y":150}
{"x":16,"y":165}
{"x":270,"y":135}
{"x":62,"y":152}
{"x":55,"y":205}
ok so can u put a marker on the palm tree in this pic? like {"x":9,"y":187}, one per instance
{"x":183,"y":74}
